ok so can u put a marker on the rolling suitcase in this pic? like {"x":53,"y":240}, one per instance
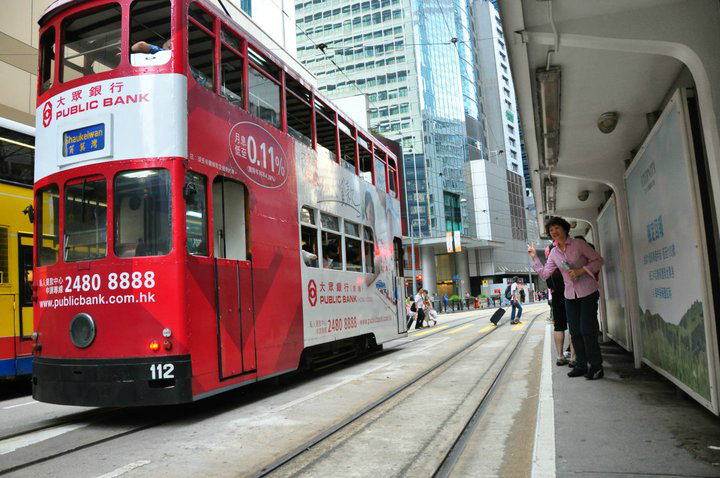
{"x":497,"y":316}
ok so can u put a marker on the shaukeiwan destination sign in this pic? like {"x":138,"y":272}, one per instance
{"x":84,"y":140}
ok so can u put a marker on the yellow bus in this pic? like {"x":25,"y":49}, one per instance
{"x":17,"y":153}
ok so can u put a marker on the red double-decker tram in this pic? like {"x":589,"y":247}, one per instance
{"x":203,"y":218}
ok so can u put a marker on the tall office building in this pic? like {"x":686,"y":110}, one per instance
{"x":415,"y":62}
{"x":502,"y":208}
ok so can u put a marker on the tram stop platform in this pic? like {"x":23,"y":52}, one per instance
{"x":631,"y":423}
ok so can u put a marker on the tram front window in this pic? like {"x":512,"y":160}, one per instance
{"x":85,"y":235}
{"x":91,"y":42}
{"x":143,"y":213}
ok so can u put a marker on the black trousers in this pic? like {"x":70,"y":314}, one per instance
{"x":582,"y":322}
{"x":420,"y":318}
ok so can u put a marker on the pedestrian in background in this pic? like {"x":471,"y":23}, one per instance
{"x":578,"y":263}
{"x":515,"y":301}
{"x":420,"y":308}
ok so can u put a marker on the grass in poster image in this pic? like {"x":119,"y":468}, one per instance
{"x":678,"y":349}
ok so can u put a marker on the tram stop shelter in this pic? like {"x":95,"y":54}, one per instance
{"x":619,"y":106}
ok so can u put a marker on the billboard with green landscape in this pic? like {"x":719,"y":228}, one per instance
{"x":676,"y":332}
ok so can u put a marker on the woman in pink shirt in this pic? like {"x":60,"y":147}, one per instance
{"x":578,"y":263}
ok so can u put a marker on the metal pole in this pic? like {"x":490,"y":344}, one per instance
{"x":417,"y":208}
{"x":412,"y":244}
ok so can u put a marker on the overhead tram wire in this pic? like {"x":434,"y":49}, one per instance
{"x":321,"y":49}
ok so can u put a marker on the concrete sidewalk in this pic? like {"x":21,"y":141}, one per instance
{"x":631,"y":423}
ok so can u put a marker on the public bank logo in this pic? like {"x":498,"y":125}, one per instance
{"x":312,"y":293}
{"x":47,"y":114}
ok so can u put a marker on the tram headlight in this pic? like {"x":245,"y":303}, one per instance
{"x":82,"y":330}
{"x":167,"y":333}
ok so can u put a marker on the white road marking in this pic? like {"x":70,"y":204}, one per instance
{"x":19,"y":405}
{"x":121,"y":471}
{"x":544,"y":447}
{"x":11,"y":444}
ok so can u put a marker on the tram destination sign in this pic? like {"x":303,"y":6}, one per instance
{"x":84,"y":140}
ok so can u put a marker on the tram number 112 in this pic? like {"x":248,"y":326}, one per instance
{"x":160,"y":371}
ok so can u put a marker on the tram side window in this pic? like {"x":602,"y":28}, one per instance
{"x":47,"y":218}
{"x":47,"y":59}
{"x":308,"y":236}
{"x":201,"y":47}
{"x":347,"y":146}
{"x":17,"y":155}
{"x":325,"y":130}
{"x":264,"y":88}
{"x":231,"y":69}
{"x":299,"y":111}
{"x":85,"y":235}
{"x":365,"y":158}
{"x":366,"y":166}
{"x":398,"y":254}
{"x":143,"y":213}
{"x":369,"y":250}
{"x":380,"y":180}
{"x":91,"y":42}
{"x":353,"y":247}
{"x":196,"y":214}
{"x":393,"y":178}
{"x":331,"y":242}
{"x":231,"y":220}
{"x":150,"y":32}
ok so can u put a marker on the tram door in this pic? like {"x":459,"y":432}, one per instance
{"x":399,"y":285}
{"x":233,"y":273}
{"x":25,"y":309}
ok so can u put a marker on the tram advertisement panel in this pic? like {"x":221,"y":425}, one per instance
{"x":668,"y":249}
{"x":348,"y":274}
{"x":613,"y":275}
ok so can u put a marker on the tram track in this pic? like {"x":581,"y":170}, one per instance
{"x":100,"y":426}
{"x":322,"y":439}
{"x":25,"y":456}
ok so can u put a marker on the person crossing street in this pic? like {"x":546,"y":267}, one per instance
{"x":515,"y":301}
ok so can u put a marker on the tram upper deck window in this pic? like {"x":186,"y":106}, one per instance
{"x":231,"y":68}
{"x":380,"y":180}
{"x":47,"y":59}
{"x":47,"y":218}
{"x":85,"y":235}
{"x":326,"y":131}
{"x":264,"y":88}
{"x":299,"y":111}
{"x":91,"y":42}
{"x":347,"y":145}
{"x":143,"y":213}
{"x":150,"y":33}
{"x":201,"y":47}
{"x":393,"y":177}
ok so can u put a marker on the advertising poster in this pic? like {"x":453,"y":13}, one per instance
{"x":668,"y":253}
{"x":617,"y":320}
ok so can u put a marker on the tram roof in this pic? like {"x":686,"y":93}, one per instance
{"x":300,"y":73}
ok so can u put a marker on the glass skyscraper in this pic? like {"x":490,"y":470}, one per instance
{"x":415,"y":62}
